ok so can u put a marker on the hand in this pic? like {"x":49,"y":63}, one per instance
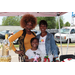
{"x":57,"y":61}
{"x":31,"y":60}
{"x":39,"y":59}
{"x":20,"y":52}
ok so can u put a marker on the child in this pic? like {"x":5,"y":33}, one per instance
{"x":33,"y":54}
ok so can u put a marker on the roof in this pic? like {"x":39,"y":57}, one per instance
{"x":36,"y":14}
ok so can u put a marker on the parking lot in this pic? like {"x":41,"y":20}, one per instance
{"x":71,"y":50}
{"x":1,"y":40}
{"x":14,"y":56}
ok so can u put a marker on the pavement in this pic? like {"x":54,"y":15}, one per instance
{"x":14,"y":56}
{"x":71,"y":50}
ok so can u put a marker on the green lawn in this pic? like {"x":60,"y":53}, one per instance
{"x":16,"y":45}
{"x":63,"y":44}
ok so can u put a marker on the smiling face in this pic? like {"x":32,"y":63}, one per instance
{"x":29,"y":26}
{"x":35,"y":43}
{"x":43,"y":28}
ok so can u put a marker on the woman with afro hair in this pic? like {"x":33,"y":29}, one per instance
{"x":28,"y":22}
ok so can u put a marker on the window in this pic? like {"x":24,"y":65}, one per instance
{"x":73,"y":31}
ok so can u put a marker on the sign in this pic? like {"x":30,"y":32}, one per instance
{"x":73,"y":14}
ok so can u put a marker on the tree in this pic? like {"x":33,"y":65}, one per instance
{"x":61,"y":23}
{"x":50,"y":20}
{"x":67,"y":24}
{"x":12,"y":20}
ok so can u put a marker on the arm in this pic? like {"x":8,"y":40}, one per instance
{"x":39,"y":59}
{"x":27,"y":53}
{"x":28,"y":60}
{"x":14,"y":37}
{"x":53,"y":47}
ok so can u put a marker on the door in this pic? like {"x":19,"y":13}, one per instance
{"x":72,"y":35}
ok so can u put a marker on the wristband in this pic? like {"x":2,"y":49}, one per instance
{"x":57,"y":59}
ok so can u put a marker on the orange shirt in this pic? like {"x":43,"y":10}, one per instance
{"x":26,"y":39}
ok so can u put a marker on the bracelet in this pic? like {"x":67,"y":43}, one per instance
{"x":57,"y":59}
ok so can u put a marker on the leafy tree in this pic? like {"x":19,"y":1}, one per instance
{"x":50,"y":20}
{"x":12,"y":20}
{"x":15,"y":21}
{"x":67,"y":24}
{"x":61,"y":23}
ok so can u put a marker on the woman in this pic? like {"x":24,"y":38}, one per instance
{"x":46,"y":42}
{"x":28,"y":22}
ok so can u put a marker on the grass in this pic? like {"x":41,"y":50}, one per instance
{"x":65,"y":44}
{"x":58,"y":44}
{"x":16,"y":45}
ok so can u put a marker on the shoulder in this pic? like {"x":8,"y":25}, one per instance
{"x":28,"y":51}
{"x":38,"y":36}
{"x":33,"y":33}
{"x":21,"y":31}
{"x":49,"y":34}
{"x":16,"y":35}
{"x":39,"y":50}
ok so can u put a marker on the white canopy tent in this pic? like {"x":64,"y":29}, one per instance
{"x":37,"y":14}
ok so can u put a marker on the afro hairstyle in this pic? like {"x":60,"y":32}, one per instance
{"x":28,"y":18}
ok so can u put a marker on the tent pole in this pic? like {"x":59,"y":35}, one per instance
{"x":58,"y":14}
{"x":69,"y":34}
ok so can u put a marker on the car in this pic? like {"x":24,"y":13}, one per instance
{"x":2,"y":33}
{"x":65,"y":35}
{"x":36,"y":32}
{"x":2,"y":36}
{"x":16,"y":41}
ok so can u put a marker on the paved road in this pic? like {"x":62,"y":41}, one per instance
{"x":14,"y":56}
{"x":71,"y":50}
{"x":1,"y":40}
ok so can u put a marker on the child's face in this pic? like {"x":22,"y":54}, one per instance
{"x":34,"y":43}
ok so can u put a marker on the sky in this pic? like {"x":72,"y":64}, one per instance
{"x":66,"y":17}
{"x":1,"y":19}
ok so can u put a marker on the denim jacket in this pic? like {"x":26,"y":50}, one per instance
{"x":50,"y":45}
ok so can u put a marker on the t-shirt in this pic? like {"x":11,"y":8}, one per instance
{"x":27,"y":41}
{"x":42,"y":44}
{"x":32,"y":54}
{"x":42,"y":48}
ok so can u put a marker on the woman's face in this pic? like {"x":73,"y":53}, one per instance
{"x":29,"y":26}
{"x":43,"y":28}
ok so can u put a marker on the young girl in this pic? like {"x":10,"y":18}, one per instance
{"x":33,"y":54}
